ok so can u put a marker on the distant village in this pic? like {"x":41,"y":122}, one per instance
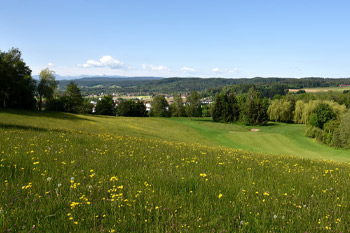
{"x":147,"y":100}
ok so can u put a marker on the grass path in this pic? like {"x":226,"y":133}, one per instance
{"x":276,"y":138}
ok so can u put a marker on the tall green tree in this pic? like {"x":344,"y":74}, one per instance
{"x":46,"y":86}
{"x":322,"y":114}
{"x":341,"y":136}
{"x":159,"y":107}
{"x":193,"y":107}
{"x":17,"y":88}
{"x":105,"y":106}
{"x":72,"y":98}
{"x":177,"y":108}
{"x":226,"y":107}
{"x":255,"y":109}
{"x":130,"y":108}
{"x":281,"y":110}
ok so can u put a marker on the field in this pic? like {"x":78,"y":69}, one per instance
{"x":75,"y":173}
{"x":321,"y":89}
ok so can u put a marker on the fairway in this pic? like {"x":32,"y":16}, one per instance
{"x":275,"y":138}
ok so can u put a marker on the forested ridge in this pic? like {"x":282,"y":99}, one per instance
{"x":208,"y":85}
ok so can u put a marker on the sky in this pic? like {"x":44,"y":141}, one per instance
{"x":182,"y":38}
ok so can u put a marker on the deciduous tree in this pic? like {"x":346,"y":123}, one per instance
{"x":46,"y":86}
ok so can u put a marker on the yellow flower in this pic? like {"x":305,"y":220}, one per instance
{"x":220,"y":195}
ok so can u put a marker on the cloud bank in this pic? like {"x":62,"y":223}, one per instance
{"x":105,"y":61}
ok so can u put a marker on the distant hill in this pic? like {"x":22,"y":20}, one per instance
{"x":104,"y":77}
{"x":107,"y":85}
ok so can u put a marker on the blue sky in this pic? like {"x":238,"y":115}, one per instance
{"x":180,"y":38}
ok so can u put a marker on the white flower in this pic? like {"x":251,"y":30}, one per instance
{"x":242,"y":222}
{"x":72,"y":178}
{"x":59,"y":185}
{"x":49,"y":179}
{"x":275,"y":216}
{"x":283,"y":217}
{"x":1,"y":210}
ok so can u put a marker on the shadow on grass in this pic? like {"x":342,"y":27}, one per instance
{"x":24,"y":127}
{"x":47,"y":114}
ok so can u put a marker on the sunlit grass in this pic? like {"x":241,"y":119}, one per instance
{"x":72,"y":174}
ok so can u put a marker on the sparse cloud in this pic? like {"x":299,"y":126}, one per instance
{"x":50,"y":64}
{"x":105,"y":61}
{"x":154,"y":68}
{"x":216,"y":70}
{"x":187,"y":69}
{"x":222,"y":71}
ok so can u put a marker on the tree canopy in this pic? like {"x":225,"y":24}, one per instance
{"x":46,"y":86}
{"x":17,"y":88}
{"x":159,"y":107}
{"x":193,"y":107}
{"x":105,"y":106}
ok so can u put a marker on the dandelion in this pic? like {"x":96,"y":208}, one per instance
{"x":220,"y":195}
{"x":203,"y":175}
{"x":72,"y":178}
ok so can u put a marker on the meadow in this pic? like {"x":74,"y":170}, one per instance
{"x":74,"y":173}
{"x":321,"y":89}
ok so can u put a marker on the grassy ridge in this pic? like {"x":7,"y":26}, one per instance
{"x":70,"y":173}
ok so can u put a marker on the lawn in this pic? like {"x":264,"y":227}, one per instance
{"x":275,"y":138}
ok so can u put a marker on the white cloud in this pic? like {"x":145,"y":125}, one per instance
{"x":187,"y":69}
{"x":105,"y":61}
{"x":225,"y":71}
{"x":216,"y":70}
{"x":50,"y":64}
{"x":154,"y":68}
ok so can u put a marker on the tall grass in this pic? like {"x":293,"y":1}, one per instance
{"x":67,"y":179}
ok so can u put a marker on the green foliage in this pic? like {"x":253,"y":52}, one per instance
{"x":46,"y":86}
{"x":17,"y":88}
{"x":341,"y":136}
{"x":72,"y":98}
{"x":193,"y":107}
{"x":314,"y":132}
{"x":303,"y":110}
{"x":86,"y":107}
{"x":207,"y":110}
{"x":105,"y":106}
{"x":328,"y":132}
{"x":177,"y":108}
{"x":281,"y":110}
{"x":159,"y":107}
{"x":130,"y":108}
{"x":226,"y":108}
{"x":254,"y":112}
{"x":322,"y":114}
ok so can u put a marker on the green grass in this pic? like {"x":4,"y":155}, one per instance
{"x":276,"y":138}
{"x":72,"y":173}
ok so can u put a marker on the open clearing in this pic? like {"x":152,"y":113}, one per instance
{"x":321,"y":89}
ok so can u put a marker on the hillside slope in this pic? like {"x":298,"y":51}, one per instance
{"x":74,"y":173}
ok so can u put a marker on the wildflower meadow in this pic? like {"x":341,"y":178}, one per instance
{"x":75,"y":176}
